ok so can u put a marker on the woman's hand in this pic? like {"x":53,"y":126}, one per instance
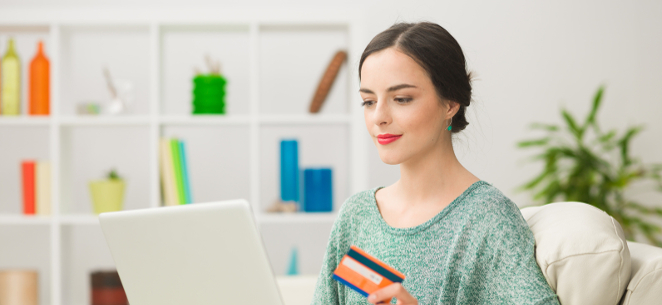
{"x":394,"y":290}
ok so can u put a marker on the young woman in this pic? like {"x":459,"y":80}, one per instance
{"x":456,"y":238}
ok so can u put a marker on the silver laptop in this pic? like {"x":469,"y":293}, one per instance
{"x":196,"y":254}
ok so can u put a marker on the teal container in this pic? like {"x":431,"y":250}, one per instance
{"x":209,"y":94}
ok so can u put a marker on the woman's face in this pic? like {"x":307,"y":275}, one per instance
{"x":402,"y":110}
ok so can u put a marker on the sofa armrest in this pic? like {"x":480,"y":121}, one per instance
{"x":645,"y":285}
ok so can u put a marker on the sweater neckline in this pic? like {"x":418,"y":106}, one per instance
{"x":421,"y":227}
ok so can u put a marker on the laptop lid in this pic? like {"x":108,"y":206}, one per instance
{"x":203,"y":253}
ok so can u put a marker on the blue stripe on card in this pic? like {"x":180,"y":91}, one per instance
{"x":348,"y":284}
{"x":374,"y":266}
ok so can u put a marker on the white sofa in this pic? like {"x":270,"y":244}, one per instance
{"x":582,"y":253}
{"x":586,"y":259}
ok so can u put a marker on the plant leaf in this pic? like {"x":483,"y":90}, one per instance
{"x":597,"y":100}
{"x":624,"y":144}
{"x":605,"y":138}
{"x":548,"y":127}
{"x":529,"y":143}
{"x":572,"y":124}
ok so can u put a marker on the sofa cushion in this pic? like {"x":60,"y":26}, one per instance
{"x":645,"y":287}
{"x":581,"y":251}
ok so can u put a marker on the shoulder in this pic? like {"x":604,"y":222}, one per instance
{"x":354,"y":209}
{"x":358,"y":203}
{"x":490,"y":207}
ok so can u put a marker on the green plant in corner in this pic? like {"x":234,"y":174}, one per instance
{"x":586,"y":164}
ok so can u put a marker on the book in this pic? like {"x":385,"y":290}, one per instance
{"x":167,"y":174}
{"x":43,"y":188}
{"x":176,"y":161}
{"x":185,"y":175}
{"x":27,"y":175}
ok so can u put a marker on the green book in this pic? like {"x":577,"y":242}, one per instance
{"x":177,"y":165}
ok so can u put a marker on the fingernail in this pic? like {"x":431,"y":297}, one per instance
{"x":371,"y":298}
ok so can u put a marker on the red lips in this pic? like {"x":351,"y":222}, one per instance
{"x":387,"y":138}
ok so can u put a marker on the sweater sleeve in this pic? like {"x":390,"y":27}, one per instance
{"x":511,"y":273}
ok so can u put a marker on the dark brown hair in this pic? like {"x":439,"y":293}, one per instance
{"x":438,"y":53}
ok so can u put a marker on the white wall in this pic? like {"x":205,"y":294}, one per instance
{"x":532,"y":57}
{"x":529,"y":58}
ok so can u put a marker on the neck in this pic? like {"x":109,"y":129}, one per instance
{"x":427,"y":178}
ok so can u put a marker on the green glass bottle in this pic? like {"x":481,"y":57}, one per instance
{"x":10,"y":82}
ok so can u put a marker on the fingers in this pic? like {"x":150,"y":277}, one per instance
{"x":395,"y":290}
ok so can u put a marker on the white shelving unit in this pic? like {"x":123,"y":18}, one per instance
{"x":272,"y":64}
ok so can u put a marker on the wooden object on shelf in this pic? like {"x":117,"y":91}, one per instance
{"x":327,"y":81}
{"x":19,"y":287}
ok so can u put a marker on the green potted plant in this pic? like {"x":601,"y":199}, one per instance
{"x":107,"y":194}
{"x":584,"y":163}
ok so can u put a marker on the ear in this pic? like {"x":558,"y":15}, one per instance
{"x":452,"y":108}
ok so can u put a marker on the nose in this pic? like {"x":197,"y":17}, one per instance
{"x":382,"y":114}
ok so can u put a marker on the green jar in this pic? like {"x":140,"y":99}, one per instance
{"x":209,"y":94}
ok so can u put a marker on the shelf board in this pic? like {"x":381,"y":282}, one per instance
{"x":24,"y":220}
{"x":295,"y":218}
{"x":102,"y":120}
{"x":81,"y":219}
{"x":287,"y":119}
{"x":205,"y":119}
{"x":24,"y":120}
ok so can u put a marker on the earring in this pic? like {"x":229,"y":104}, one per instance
{"x":449,"y":125}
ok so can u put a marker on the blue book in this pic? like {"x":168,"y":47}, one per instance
{"x":185,"y":176}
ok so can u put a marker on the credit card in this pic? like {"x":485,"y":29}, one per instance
{"x":364,"y":273}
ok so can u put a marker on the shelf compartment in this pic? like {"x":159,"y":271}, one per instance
{"x":183,"y":50}
{"x":83,"y":250}
{"x":310,"y":240}
{"x":19,"y":143}
{"x":307,"y":50}
{"x":319,"y":145}
{"x":123,"y":49}
{"x":26,"y":38}
{"x":217,"y":159}
{"x":90,"y":152}
{"x":28,"y":247}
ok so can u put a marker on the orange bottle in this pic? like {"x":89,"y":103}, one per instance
{"x":40,"y":83}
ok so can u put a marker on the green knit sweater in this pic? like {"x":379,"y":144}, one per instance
{"x":477,"y":250}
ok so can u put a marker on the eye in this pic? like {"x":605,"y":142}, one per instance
{"x":402,"y":100}
{"x":367,"y":103}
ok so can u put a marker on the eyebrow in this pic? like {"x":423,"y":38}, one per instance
{"x":390,"y":89}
